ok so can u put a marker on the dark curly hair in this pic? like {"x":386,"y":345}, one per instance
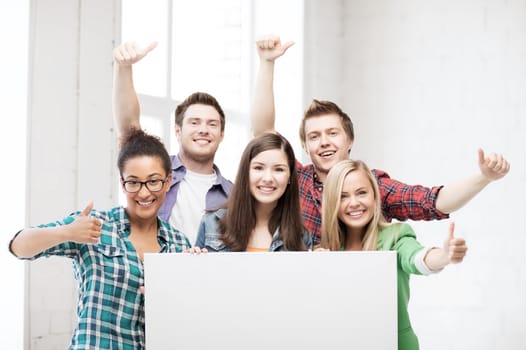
{"x":137,"y":143}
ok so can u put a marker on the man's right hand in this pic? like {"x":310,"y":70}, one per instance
{"x":269,"y":47}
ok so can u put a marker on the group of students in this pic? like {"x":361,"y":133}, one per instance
{"x":275,"y":203}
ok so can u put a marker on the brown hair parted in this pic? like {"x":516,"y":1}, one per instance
{"x":198,"y":98}
{"x":318,"y":108}
{"x":136,"y":143}
{"x":240,"y":219}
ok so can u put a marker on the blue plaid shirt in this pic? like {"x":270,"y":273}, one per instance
{"x":110,"y":307}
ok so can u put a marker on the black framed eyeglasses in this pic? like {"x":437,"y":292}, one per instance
{"x":134,"y":186}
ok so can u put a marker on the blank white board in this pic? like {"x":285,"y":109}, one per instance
{"x":302,"y":300}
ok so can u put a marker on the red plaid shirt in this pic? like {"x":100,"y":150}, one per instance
{"x":399,"y":201}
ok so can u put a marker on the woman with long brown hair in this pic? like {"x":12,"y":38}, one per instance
{"x":263,"y":211}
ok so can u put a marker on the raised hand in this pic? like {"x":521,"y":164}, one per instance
{"x":269,"y":47}
{"x":493,"y":166}
{"x":130,"y":53}
{"x":455,"y":249}
{"x":85,"y":229}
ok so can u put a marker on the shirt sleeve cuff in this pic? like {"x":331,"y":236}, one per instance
{"x":420,"y":263}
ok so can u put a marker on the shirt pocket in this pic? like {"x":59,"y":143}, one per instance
{"x":214,"y":243}
{"x":112,"y":260}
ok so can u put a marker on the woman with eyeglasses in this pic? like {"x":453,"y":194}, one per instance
{"x":107,"y":248}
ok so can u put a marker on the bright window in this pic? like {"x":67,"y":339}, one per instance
{"x":208,"y":45}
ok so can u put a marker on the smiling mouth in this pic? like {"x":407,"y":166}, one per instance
{"x":356,"y":213}
{"x":266,"y":189}
{"x":145,"y":203}
{"x":327,"y":154}
{"x":202,"y":141}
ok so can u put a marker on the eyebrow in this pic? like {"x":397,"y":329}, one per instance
{"x":356,"y":189}
{"x":198,"y":117}
{"x":261,"y":163}
{"x":136,"y":177}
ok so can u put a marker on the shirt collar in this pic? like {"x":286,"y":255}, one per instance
{"x":123,"y":225}
{"x":179,"y":168}
{"x":318,"y":185}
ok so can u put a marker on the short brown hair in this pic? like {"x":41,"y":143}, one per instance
{"x":198,"y":98}
{"x":317,"y":108}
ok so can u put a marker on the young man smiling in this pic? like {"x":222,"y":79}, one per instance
{"x":327,"y":135}
{"x":199,"y":127}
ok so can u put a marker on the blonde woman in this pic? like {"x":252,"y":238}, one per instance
{"x":352,"y":220}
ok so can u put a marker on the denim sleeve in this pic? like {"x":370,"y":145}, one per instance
{"x":200,"y":240}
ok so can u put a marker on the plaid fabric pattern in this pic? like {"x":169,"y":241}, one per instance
{"x":399,"y":201}
{"x":110,"y":308}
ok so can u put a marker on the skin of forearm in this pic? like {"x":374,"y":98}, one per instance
{"x":455,"y":195}
{"x":263,"y":112}
{"x":436,"y":259}
{"x":126,"y":108}
{"x":32,"y":241}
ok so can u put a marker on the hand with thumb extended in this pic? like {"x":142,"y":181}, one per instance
{"x":493,"y":166}
{"x":129,"y":53}
{"x":270,"y":47}
{"x":85,"y":229}
{"x":455,"y":248}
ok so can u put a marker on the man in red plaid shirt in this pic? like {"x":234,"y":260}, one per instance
{"x":327,"y":135}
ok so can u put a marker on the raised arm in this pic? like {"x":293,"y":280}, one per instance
{"x":262,"y":111}
{"x":415,"y":202}
{"x":453,"y":252}
{"x":455,"y":195}
{"x":126,"y":108}
{"x":31,"y":241}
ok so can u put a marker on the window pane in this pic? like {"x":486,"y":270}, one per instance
{"x":144,"y":22}
{"x":229,"y":153}
{"x":207,"y":54}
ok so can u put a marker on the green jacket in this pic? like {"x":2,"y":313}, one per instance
{"x":401,"y":237}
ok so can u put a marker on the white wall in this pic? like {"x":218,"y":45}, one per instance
{"x":426,"y":83}
{"x":70,"y":144}
{"x":14,"y":17}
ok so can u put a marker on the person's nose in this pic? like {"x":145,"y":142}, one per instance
{"x":353,"y":202}
{"x":267,"y":175}
{"x":324,"y":139}
{"x":144,"y":191}
{"x":203,"y":128}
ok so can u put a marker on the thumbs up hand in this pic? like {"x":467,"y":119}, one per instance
{"x":493,"y":166}
{"x":269,"y":47}
{"x":85,"y":229}
{"x":129,"y":53}
{"x":455,"y":249}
